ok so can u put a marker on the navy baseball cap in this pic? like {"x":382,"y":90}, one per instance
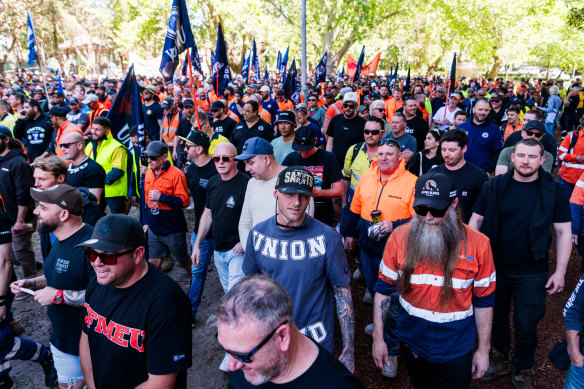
{"x":254,"y":146}
{"x":515,"y":100}
{"x":73,"y":100}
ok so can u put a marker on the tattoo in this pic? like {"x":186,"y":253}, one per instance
{"x":75,"y":298}
{"x":384,"y":306}
{"x":34,"y":284}
{"x":346,"y":316}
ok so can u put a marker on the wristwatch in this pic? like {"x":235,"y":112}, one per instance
{"x":58,"y":299}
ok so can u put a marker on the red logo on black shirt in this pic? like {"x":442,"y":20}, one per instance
{"x":117,"y":333}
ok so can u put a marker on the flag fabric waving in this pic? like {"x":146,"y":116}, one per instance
{"x":284,"y":63}
{"x":221,"y":71}
{"x":452,"y":85}
{"x":351,"y":66}
{"x":343,"y":72}
{"x":60,"y":83}
{"x":371,"y":67}
{"x":245,"y":68}
{"x":266,"y":74}
{"x":255,"y":64}
{"x":320,"y":71}
{"x":179,"y":37}
{"x":279,"y":60}
{"x":357,"y":74}
{"x":290,"y":85}
{"x":31,"y":40}
{"x":408,"y":85}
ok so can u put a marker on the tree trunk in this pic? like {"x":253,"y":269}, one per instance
{"x":495,"y":69}
{"x":432,"y":68}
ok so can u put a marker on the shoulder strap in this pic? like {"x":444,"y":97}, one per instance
{"x":356,"y":149}
{"x":421,"y":157}
{"x":573,"y":141}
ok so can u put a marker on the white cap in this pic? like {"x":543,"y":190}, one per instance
{"x":351,"y":97}
{"x":90,"y":98}
{"x":345,"y":90}
{"x":265,"y":88}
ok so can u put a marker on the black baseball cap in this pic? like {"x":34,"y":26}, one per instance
{"x":435,"y":190}
{"x":168,"y":102}
{"x":534,"y":125}
{"x":116,"y":232}
{"x":156,"y":149}
{"x":304,"y":139}
{"x":295,"y":179}
{"x":73,"y":100}
{"x":188,"y":103}
{"x":58,"y":94}
{"x":198,"y":138}
{"x":65,"y":196}
{"x":5,"y":132}
{"x":217,"y":105}
{"x":329,"y":94}
{"x":287,"y":116}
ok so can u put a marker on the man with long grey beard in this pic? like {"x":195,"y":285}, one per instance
{"x":447,"y":278}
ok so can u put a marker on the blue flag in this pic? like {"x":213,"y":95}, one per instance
{"x":452,"y":85}
{"x":221,"y":71}
{"x":255,"y":65}
{"x":179,"y":37}
{"x":195,"y":61}
{"x":343,"y":72}
{"x":266,"y":74}
{"x":60,"y":83}
{"x":283,"y":64}
{"x":213,"y":61}
{"x":31,"y":40}
{"x":359,"y":65}
{"x":408,"y":85}
{"x":320,"y":71}
{"x":395,"y":73}
{"x":291,"y":86}
{"x":245,"y":68}
{"x":279,"y":60}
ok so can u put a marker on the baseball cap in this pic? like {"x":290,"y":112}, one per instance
{"x":344,"y":91}
{"x":265,"y":88}
{"x":188,"y":103}
{"x":217,"y":105}
{"x":58,"y":94}
{"x":361,"y":108}
{"x":329,"y":94}
{"x":295,"y":179}
{"x":254,"y":146}
{"x":198,"y":138}
{"x":156,"y":149}
{"x":90,"y":98}
{"x":58,"y":111}
{"x":434,"y":190}
{"x":116,"y":232}
{"x":441,"y":89}
{"x":287,"y":116}
{"x":168,"y":102}
{"x":534,"y":125}
{"x":455,"y":95}
{"x":351,"y":97}
{"x":304,"y":138}
{"x":38,"y":89}
{"x":254,"y":86}
{"x":515,"y":100}
{"x":5,"y":132}
{"x":73,"y":100}
{"x":65,"y":196}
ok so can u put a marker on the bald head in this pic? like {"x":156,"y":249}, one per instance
{"x":73,"y":137}
{"x":226,"y":148}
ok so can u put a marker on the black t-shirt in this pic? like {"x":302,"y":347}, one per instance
{"x":225,"y":200}
{"x":511,"y":248}
{"x":574,"y":101}
{"x":437,"y":104}
{"x":418,"y":127}
{"x":152,"y":114}
{"x":326,"y":372}
{"x":198,"y":180}
{"x":144,"y":328}
{"x":426,"y":163}
{"x":88,"y":174}
{"x":67,"y":268}
{"x":469,"y":180}
{"x":326,"y":171}
{"x":224,"y":127}
{"x":242,"y":132}
{"x":345,"y":133}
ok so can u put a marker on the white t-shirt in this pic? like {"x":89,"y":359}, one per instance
{"x":449,"y":116}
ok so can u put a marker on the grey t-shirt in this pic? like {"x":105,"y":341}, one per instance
{"x":505,"y":159}
{"x":307,"y":262}
{"x":281,"y":149}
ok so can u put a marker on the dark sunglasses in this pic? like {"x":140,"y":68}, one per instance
{"x":106,"y":258}
{"x":372,"y":132}
{"x":350,"y":106}
{"x":67,"y":145}
{"x":223,"y":158}
{"x":423,"y":211}
{"x":389,"y":142}
{"x":152,"y":158}
{"x":495,"y":100}
{"x":537,"y":134}
{"x":246,"y":357}
{"x":311,"y":99}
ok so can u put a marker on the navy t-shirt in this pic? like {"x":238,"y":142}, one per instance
{"x":307,"y":262}
{"x":484,"y":141}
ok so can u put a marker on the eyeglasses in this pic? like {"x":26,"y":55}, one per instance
{"x":246,"y":357}
{"x":188,"y":146}
{"x":223,"y":158}
{"x":537,"y":134}
{"x":106,"y":258}
{"x":389,"y":142}
{"x":372,"y":132}
{"x":349,"y":106}
{"x":66,"y":145}
{"x":423,"y":211}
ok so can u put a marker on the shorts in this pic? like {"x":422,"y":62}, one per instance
{"x":68,"y":366}
{"x":159,"y":246}
{"x":5,"y":231}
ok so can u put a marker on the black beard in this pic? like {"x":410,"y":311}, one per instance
{"x":45,"y":228}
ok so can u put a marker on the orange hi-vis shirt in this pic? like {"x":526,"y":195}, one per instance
{"x":334,"y":110}
{"x":169,"y":127}
{"x":233,"y":116}
{"x":391,"y":105}
{"x":510,"y":130}
{"x":578,"y":192}
{"x":66,"y":128}
{"x":203,"y":104}
{"x":395,"y":194}
{"x":321,"y":101}
{"x":571,"y":170}
{"x":286,"y":105}
{"x":265,"y":115}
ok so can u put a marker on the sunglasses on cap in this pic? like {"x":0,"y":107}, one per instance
{"x":246,"y":357}
{"x":537,"y":134}
{"x":106,"y":258}
{"x":422,"y":210}
{"x":389,"y":142}
{"x":223,"y":158}
{"x":372,"y":132}
{"x":350,"y":106}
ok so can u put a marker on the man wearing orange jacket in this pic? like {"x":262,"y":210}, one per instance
{"x":62,"y":126}
{"x":571,"y":154}
{"x":166,"y":194}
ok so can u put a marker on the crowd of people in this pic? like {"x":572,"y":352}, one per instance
{"x":443,"y":194}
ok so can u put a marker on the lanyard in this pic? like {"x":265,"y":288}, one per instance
{"x":380,"y":193}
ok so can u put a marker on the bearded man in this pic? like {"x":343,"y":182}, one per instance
{"x":446,"y":275}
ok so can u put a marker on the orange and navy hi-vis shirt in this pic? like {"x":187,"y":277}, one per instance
{"x":333,"y":110}
{"x":571,"y":170}
{"x":509,"y":129}
{"x":284,"y":106}
{"x":168,"y":216}
{"x":578,"y":192}
{"x":439,"y":334}
{"x":391,"y":105}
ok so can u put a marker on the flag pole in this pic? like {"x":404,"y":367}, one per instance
{"x":192,"y":85}
{"x":43,"y":69}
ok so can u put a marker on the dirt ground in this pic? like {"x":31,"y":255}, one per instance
{"x":207,"y":356}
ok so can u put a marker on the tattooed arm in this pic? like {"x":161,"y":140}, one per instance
{"x":346,"y":316}
{"x":381,"y":304}
{"x":75,"y":298}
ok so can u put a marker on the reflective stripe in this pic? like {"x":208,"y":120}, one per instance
{"x":5,"y":366}
{"x":562,"y":148}
{"x":485,"y":282}
{"x":580,"y":184}
{"x":15,"y":348}
{"x":386,"y":271}
{"x":37,"y":354}
{"x":434,"y":280}
{"x":435,"y":317}
{"x":574,"y":165}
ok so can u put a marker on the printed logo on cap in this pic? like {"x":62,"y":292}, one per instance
{"x":105,"y":227}
{"x":430,"y":189}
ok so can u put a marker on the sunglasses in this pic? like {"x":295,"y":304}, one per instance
{"x":223,"y":158}
{"x":349,"y":106}
{"x":312,"y":100}
{"x":380,"y":109}
{"x":423,"y":211}
{"x":152,"y":158}
{"x":389,"y":142}
{"x":495,"y":101}
{"x":537,"y":134}
{"x":106,"y":258}
{"x":372,"y":132}
{"x":246,"y":357}
{"x":67,"y":145}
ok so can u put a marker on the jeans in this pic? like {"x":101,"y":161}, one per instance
{"x":549,"y":128}
{"x":228,"y":266}
{"x":370,"y":267}
{"x":455,"y":374}
{"x":199,"y":273}
{"x":23,"y":253}
{"x":528,"y":294}
{"x":569,"y":188}
{"x":68,"y":366}
{"x":568,"y":121}
{"x":575,"y":378}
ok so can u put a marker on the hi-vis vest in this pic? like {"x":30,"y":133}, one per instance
{"x":69,"y":128}
{"x":104,"y":153}
{"x":169,"y":128}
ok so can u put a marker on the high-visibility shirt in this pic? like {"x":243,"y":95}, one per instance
{"x":265,"y":115}
{"x":287,"y":104}
{"x":439,"y":332}
{"x":233,"y":116}
{"x":8,"y":120}
{"x":204,"y":104}
{"x":581,"y":101}
{"x":571,"y":170}
{"x":578,"y":192}
{"x":321,"y":101}
{"x":107,"y":104}
{"x":356,"y":165}
{"x":66,"y":128}
{"x":111,"y":154}
{"x":509,"y":129}
{"x":169,"y":127}
{"x":391,"y":106}
{"x":334,"y":110}
{"x":215,"y":140}
{"x":100,"y":111}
